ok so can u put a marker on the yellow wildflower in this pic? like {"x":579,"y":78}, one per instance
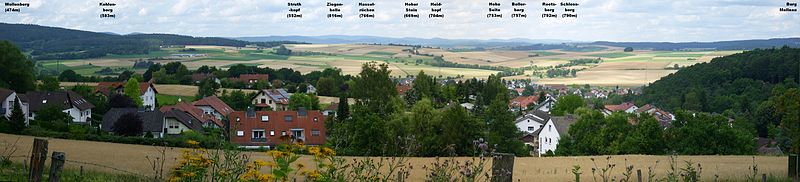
{"x":260,"y":163}
{"x":328,"y":151}
{"x":192,"y":142}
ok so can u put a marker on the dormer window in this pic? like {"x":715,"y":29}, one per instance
{"x":238,"y":119}
{"x":44,"y":101}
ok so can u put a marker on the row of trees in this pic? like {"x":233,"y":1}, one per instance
{"x":622,"y":133}
{"x":379,"y":123}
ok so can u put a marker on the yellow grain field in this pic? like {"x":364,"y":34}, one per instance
{"x":132,"y":158}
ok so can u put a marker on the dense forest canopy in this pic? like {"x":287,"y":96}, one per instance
{"x":736,"y":86}
{"x":45,"y":43}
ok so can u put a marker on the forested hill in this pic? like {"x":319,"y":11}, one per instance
{"x":721,"y":45}
{"x":59,"y":43}
{"x":737,"y":84}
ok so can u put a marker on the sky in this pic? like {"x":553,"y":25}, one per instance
{"x":598,"y":20}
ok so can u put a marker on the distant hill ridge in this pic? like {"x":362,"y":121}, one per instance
{"x":60,"y":43}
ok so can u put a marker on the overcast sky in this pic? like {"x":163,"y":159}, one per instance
{"x":613,"y":20}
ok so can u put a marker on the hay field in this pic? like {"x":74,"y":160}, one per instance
{"x":610,"y":77}
{"x":131,"y":158}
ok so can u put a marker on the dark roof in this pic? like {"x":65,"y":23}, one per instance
{"x":66,"y":99}
{"x":216,"y":103}
{"x":535,"y":115}
{"x":194,"y":112}
{"x":185,"y":118}
{"x":333,"y":107}
{"x":280,"y":95}
{"x":106,"y":87}
{"x":4,"y":93}
{"x":562,"y":123}
{"x":152,"y":121}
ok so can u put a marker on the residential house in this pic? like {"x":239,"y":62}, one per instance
{"x":152,"y":121}
{"x":532,"y":121}
{"x":252,"y":79}
{"x":531,"y":140}
{"x":626,"y":107}
{"x":271,"y":128}
{"x":555,"y":128}
{"x":402,"y":89}
{"x":468,"y":106}
{"x":9,"y":97}
{"x":69,"y":102}
{"x":196,"y":113}
{"x":521,"y":103}
{"x":547,"y":104}
{"x":311,"y":89}
{"x":331,"y":109}
{"x":277,"y":99}
{"x":664,"y":118}
{"x":147,"y":92}
{"x":198,"y":77}
{"x":212,"y":105}
{"x":177,"y":122}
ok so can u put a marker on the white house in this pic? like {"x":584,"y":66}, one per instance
{"x":552,"y":131}
{"x":147,"y":90}
{"x":532,"y":121}
{"x":9,"y":97}
{"x":177,"y":121}
{"x":547,"y":104}
{"x":70,"y":102}
{"x":277,"y":99}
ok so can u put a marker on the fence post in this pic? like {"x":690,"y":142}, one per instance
{"x":502,"y":167}
{"x":81,"y":174}
{"x":38,"y":156}
{"x":639,"y":175}
{"x":792,"y":166}
{"x":56,"y":165}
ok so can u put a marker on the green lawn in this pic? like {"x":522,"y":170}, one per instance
{"x":160,"y":53}
{"x":166,"y":100}
{"x":612,"y":55}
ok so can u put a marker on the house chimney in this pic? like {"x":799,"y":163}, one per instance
{"x":251,"y":113}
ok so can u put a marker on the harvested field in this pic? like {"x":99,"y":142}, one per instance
{"x":131,"y":158}
{"x":610,"y":77}
{"x":165,"y":89}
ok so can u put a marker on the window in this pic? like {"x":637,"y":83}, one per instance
{"x":283,"y":133}
{"x":240,"y":133}
{"x":271,"y":132}
{"x":287,"y":118}
{"x":44,"y":101}
{"x":264,"y":118}
{"x":530,"y":128}
{"x":314,"y":132}
{"x":238,"y":119}
{"x":549,"y":127}
{"x":315,"y":119}
{"x":263,"y":101}
{"x":258,"y":133}
{"x":270,"y":101}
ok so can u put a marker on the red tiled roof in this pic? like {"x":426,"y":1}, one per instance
{"x":216,"y":103}
{"x":523,"y":101}
{"x":621,"y":107}
{"x":248,"y":77}
{"x":106,"y":87}
{"x":402,"y":89}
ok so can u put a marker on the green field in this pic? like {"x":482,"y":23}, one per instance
{"x":545,"y":53}
{"x":612,"y":55}
{"x":382,"y":53}
{"x":166,"y":100}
